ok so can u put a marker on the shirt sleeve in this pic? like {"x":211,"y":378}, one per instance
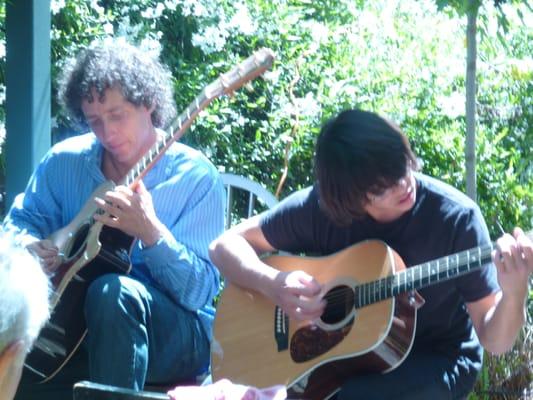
{"x":484,"y":281}
{"x":191,"y":205}
{"x":291,"y":224}
{"x":46,"y":204}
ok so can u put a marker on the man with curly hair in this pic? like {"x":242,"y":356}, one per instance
{"x":153,"y":325}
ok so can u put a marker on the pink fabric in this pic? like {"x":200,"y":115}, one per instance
{"x":226,"y":390}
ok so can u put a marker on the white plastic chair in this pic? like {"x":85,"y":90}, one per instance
{"x":244,"y":198}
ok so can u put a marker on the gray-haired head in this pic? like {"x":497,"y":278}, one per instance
{"x":24,"y":293}
{"x":113,"y":63}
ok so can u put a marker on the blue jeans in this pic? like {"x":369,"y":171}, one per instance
{"x":136,"y":334}
{"x":422,"y":376}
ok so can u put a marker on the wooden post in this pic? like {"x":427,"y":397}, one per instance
{"x":27,"y":90}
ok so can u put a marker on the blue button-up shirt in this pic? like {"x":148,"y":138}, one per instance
{"x":188,"y":197}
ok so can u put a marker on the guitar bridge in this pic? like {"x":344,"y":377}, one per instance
{"x":281,"y":329}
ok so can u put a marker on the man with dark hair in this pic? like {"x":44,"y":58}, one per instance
{"x":153,"y":325}
{"x":367,"y":187}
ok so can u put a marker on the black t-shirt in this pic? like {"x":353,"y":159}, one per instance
{"x":442,"y":221}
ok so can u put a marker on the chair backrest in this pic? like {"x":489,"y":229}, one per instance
{"x":244,"y":198}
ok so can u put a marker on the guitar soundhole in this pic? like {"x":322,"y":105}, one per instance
{"x":79,"y":239}
{"x":340,"y":303}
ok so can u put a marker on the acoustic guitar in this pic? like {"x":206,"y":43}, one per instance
{"x":368,"y":325}
{"x":92,"y":249}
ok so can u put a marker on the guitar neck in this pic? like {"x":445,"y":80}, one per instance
{"x":426,"y":274}
{"x":176,"y":130}
{"x":227,"y":83}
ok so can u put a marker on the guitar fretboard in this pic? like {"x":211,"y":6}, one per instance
{"x":228,"y":82}
{"x":178,"y":126}
{"x":423,"y":275}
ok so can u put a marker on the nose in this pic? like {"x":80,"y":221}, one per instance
{"x":107,"y":132}
{"x":402,"y":183}
{"x":399,"y":186}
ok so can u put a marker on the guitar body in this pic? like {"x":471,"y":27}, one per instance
{"x":256,"y":344}
{"x":90,"y":250}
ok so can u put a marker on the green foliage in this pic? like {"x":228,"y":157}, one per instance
{"x":403,"y":59}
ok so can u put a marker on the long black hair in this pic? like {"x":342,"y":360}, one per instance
{"x":358,"y":153}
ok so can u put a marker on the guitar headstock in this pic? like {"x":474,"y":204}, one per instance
{"x":244,"y":72}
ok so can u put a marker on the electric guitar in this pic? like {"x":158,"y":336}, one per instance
{"x":368,"y":325}
{"x":92,"y":249}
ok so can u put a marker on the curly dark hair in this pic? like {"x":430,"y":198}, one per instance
{"x":112,"y":63}
{"x":358,"y":153}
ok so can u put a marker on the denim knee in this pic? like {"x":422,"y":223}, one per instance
{"x":111,"y":296}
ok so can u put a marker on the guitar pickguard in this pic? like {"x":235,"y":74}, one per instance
{"x":311,"y":341}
